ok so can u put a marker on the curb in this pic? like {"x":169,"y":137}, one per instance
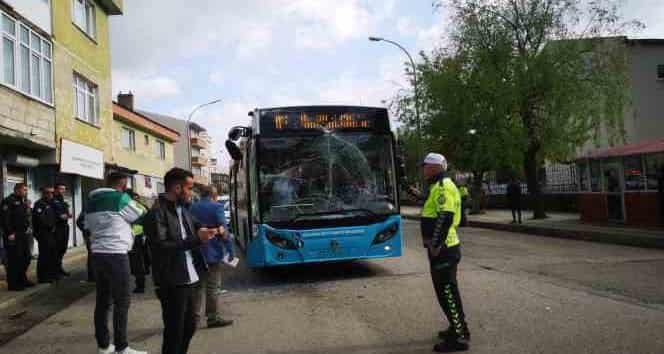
{"x":75,"y":255}
{"x":580,"y":235}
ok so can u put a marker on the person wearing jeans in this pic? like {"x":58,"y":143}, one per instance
{"x":211,"y":214}
{"x":109,"y":215}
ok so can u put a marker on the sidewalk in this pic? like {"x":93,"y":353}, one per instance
{"x":73,"y":257}
{"x":560,"y":225}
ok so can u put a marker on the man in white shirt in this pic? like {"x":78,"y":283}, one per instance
{"x":177,"y":262}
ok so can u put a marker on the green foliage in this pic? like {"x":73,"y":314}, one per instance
{"x":536,"y":78}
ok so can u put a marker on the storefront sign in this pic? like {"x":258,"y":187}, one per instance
{"x":81,"y":160}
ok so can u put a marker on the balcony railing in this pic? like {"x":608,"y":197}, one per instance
{"x":199,"y":161}
{"x":198,"y":142}
{"x":199,"y":179}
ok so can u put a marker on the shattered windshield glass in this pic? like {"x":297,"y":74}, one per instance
{"x":327,"y":175}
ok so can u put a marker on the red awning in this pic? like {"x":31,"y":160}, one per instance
{"x":627,"y":150}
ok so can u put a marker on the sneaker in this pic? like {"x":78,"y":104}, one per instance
{"x":128,"y":350}
{"x":233,"y":262}
{"x":139,"y":291}
{"x":109,"y":350}
{"x":218,"y":323}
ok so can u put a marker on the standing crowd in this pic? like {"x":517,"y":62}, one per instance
{"x":184,"y":245}
{"x":47,"y":222}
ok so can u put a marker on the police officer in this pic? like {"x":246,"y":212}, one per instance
{"x":44,"y":221}
{"x":441,"y":216}
{"x":15,"y":227}
{"x":62,"y":225}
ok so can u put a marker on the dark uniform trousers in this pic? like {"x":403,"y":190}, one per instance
{"x":15,"y":220}
{"x":444,"y":276}
{"x":61,"y":230}
{"x":43,"y":221}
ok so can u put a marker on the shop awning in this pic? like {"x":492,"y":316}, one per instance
{"x":626,"y":150}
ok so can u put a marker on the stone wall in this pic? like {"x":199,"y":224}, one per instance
{"x":24,"y":118}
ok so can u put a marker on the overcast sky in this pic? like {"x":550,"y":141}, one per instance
{"x":175,"y":54}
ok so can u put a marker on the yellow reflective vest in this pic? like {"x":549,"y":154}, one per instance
{"x":443,"y":197}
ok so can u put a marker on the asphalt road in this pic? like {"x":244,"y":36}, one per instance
{"x":522,"y":294}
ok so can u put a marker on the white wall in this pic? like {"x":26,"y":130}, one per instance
{"x":36,"y":11}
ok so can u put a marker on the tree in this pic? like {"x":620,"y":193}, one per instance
{"x":464,"y":108}
{"x":555,"y":72}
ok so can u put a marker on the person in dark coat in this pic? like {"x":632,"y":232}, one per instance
{"x":138,"y":256}
{"x":80,"y":223}
{"x":62,"y":226}
{"x":514,"y":198}
{"x":15,"y":225}
{"x":175,"y":240}
{"x":43,"y":222}
{"x":660,"y":194}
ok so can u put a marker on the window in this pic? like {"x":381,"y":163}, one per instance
{"x":161,"y":149}
{"x":595,"y":176}
{"x":195,"y":152}
{"x":86,"y":100}
{"x":84,"y":16}
{"x":146,"y":138}
{"x":128,"y":139}
{"x":196,"y":171}
{"x":634,"y":177}
{"x":26,"y":60}
{"x":654,"y":170}
{"x":660,"y":72}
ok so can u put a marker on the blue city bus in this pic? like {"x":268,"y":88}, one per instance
{"x":315,"y":184}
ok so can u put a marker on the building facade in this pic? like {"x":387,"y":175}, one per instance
{"x":199,"y":144}
{"x":27,"y":111}
{"x":143,"y":145}
{"x":82,"y":97}
{"x":622,"y":182}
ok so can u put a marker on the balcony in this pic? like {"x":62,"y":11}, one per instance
{"x":199,"y":143}
{"x":112,"y":7}
{"x":199,"y":161}
{"x":203,"y":180}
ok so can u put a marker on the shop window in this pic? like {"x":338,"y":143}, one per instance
{"x":634,"y":176}
{"x":595,"y":177}
{"x":655,"y":170}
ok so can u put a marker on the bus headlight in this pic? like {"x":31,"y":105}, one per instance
{"x":386,"y":234}
{"x":279,"y":241}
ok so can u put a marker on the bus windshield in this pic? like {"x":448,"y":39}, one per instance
{"x":331,"y":175}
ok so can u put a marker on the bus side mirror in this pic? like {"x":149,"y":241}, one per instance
{"x":234,"y":134}
{"x":233,"y":150}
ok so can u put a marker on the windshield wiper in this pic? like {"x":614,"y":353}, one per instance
{"x":338,"y":211}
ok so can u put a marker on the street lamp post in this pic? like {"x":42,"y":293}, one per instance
{"x":416,"y":93}
{"x":188,"y":127}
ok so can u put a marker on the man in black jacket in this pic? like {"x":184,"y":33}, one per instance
{"x":43,"y":223}
{"x":15,"y":225}
{"x":177,"y":262}
{"x":62,"y":225}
